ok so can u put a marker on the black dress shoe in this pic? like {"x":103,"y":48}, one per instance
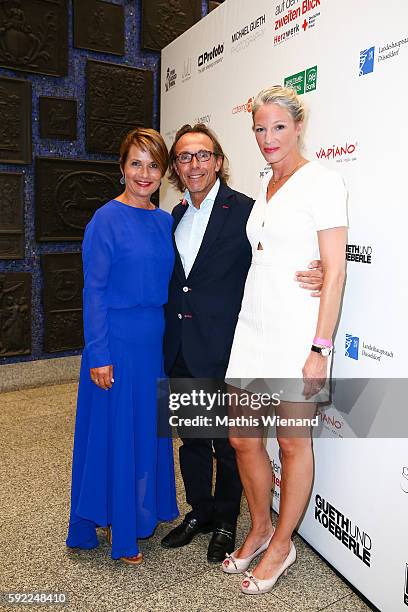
{"x":222,"y":542}
{"x":184,"y":533}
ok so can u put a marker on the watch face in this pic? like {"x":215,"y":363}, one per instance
{"x":326,"y":352}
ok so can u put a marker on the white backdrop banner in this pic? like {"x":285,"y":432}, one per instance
{"x":347,"y":59}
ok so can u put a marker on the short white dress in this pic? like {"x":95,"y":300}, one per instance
{"x":277,"y":321}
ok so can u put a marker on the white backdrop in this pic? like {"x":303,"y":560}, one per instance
{"x":351,"y":59}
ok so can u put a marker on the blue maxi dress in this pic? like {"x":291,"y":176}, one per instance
{"x":122,"y":473}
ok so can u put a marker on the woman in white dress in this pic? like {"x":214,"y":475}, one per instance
{"x":300,"y":215}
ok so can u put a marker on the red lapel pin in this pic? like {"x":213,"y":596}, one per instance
{"x":224,"y":206}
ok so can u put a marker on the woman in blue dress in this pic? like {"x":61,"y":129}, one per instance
{"x":123,"y":474}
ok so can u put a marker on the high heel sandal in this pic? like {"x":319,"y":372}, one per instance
{"x":136,"y":560}
{"x":255,"y":586}
{"x":236,"y":565}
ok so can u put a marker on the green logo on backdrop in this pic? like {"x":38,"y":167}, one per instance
{"x":303,"y":81}
{"x":296,"y":82}
{"x":311,"y":78}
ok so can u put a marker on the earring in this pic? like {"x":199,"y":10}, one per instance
{"x":122,"y":180}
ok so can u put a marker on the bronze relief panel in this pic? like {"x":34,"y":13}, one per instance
{"x":34,"y":36}
{"x":11,"y":246}
{"x":15,"y":124}
{"x":68,"y":192}
{"x":213,"y":5}
{"x":118,"y":99}
{"x":99,"y":26}
{"x":164,"y":20}
{"x":15,"y":314}
{"x":58,"y":118}
{"x":62,"y":298}
{"x":11,"y":216}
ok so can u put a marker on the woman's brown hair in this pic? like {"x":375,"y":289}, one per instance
{"x":148,"y":140}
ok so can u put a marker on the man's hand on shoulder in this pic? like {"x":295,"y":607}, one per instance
{"x":312,"y":278}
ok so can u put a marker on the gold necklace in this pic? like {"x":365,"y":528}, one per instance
{"x":273,"y":183}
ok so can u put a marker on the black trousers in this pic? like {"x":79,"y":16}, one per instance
{"x":196,"y":464}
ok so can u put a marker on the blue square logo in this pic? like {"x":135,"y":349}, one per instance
{"x":366,"y":61}
{"x":352,"y":343}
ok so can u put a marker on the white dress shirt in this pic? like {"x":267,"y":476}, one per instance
{"x":191,"y":229}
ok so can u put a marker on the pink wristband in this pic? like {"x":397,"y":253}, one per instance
{"x":323,"y":342}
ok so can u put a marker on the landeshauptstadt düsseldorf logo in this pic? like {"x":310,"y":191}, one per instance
{"x":366,"y":61}
{"x":342,"y":528}
{"x":211,"y":57}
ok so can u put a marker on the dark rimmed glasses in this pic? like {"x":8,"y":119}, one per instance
{"x":201,"y":156}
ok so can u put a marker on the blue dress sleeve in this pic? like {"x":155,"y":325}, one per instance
{"x":97,"y":252}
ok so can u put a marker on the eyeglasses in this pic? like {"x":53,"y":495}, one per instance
{"x":201,"y":156}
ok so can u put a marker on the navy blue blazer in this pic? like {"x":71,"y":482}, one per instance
{"x":202,"y":309}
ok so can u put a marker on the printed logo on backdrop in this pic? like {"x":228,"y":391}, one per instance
{"x":169,"y":136}
{"x":212,"y":57}
{"x":276,"y":479}
{"x":303,"y":82}
{"x":368,"y":350}
{"x":202,"y":119}
{"x":391,"y":49}
{"x":404,"y":479}
{"x":385,"y":51}
{"x":249,"y":33}
{"x":344,"y":530}
{"x":331,"y":421}
{"x":265,"y":171}
{"x":366,"y":61}
{"x":187,"y":67}
{"x":293,"y":17}
{"x":359,"y":253}
{"x":246,"y":107}
{"x":352,"y":344}
{"x":340,"y":153}
{"x":406,"y":585}
{"x":171,"y":77}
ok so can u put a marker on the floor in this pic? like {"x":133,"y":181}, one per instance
{"x":36,"y":428}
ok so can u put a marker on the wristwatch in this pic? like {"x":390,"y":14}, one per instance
{"x":325,"y":351}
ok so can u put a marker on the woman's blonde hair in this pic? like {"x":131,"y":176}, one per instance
{"x":282,"y":96}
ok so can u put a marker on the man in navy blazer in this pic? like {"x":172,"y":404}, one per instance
{"x":209,"y":299}
{"x":213,"y":256}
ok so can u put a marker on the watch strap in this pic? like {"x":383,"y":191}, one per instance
{"x":319,"y":349}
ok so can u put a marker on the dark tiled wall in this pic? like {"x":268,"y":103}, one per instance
{"x":72,"y":86}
